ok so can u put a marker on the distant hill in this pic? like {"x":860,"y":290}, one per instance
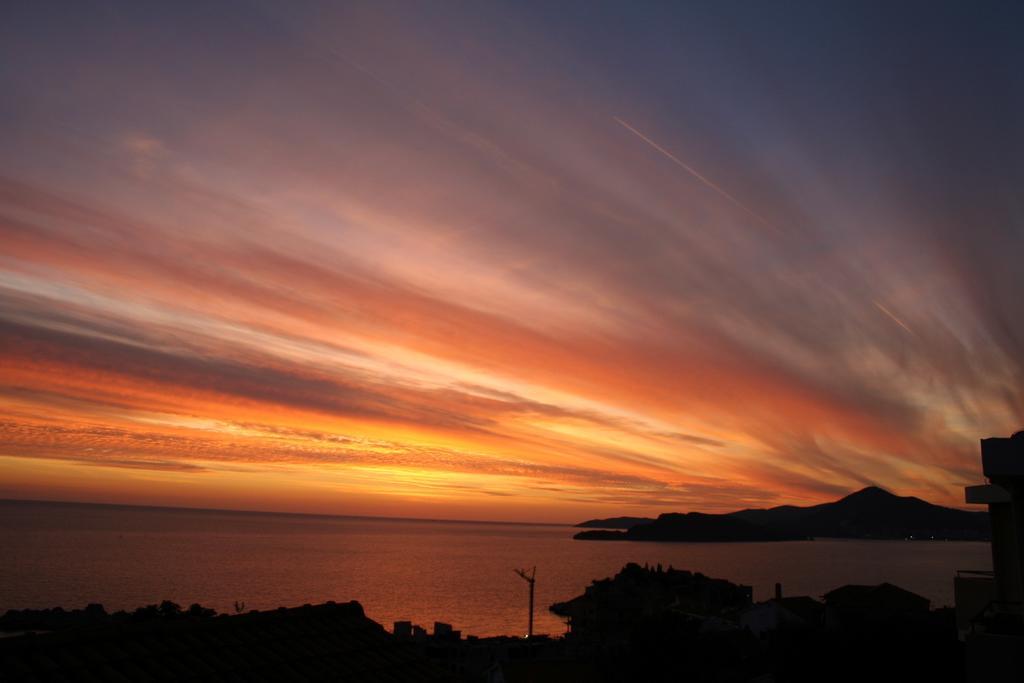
{"x":615,"y":523}
{"x":869,"y":513}
{"x":876,"y":513}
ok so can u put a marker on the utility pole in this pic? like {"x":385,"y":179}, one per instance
{"x":529,"y":577}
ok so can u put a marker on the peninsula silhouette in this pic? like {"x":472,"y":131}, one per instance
{"x":871,"y":513}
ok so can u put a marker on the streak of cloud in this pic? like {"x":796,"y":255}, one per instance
{"x":695,"y":173}
{"x":349,"y":258}
{"x":892,"y":317}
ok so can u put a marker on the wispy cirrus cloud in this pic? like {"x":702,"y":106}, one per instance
{"x":443,"y":265}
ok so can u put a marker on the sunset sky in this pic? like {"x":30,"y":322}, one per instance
{"x":510,"y":261}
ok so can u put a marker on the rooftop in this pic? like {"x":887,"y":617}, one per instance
{"x":885,"y":597}
{"x":1003,"y":457}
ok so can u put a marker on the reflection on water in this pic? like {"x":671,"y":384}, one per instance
{"x":462,"y":573}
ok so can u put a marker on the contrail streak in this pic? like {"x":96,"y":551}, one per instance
{"x":889,"y":313}
{"x":694,"y":172}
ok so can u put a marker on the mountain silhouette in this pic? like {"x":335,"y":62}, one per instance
{"x":869,"y":513}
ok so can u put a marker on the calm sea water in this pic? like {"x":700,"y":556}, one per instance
{"x":462,"y":573}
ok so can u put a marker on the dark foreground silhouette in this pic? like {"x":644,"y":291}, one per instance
{"x":60,"y":619}
{"x":329,"y":642}
{"x":870,"y":513}
{"x":644,"y":624}
{"x":649,"y":623}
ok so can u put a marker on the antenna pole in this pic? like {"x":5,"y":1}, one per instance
{"x":530,"y":578}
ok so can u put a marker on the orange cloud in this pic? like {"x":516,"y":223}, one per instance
{"x":398,"y":279}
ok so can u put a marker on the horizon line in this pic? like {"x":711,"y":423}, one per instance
{"x":279,"y":512}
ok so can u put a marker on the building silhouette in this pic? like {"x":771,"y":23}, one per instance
{"x":989,"y":604}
